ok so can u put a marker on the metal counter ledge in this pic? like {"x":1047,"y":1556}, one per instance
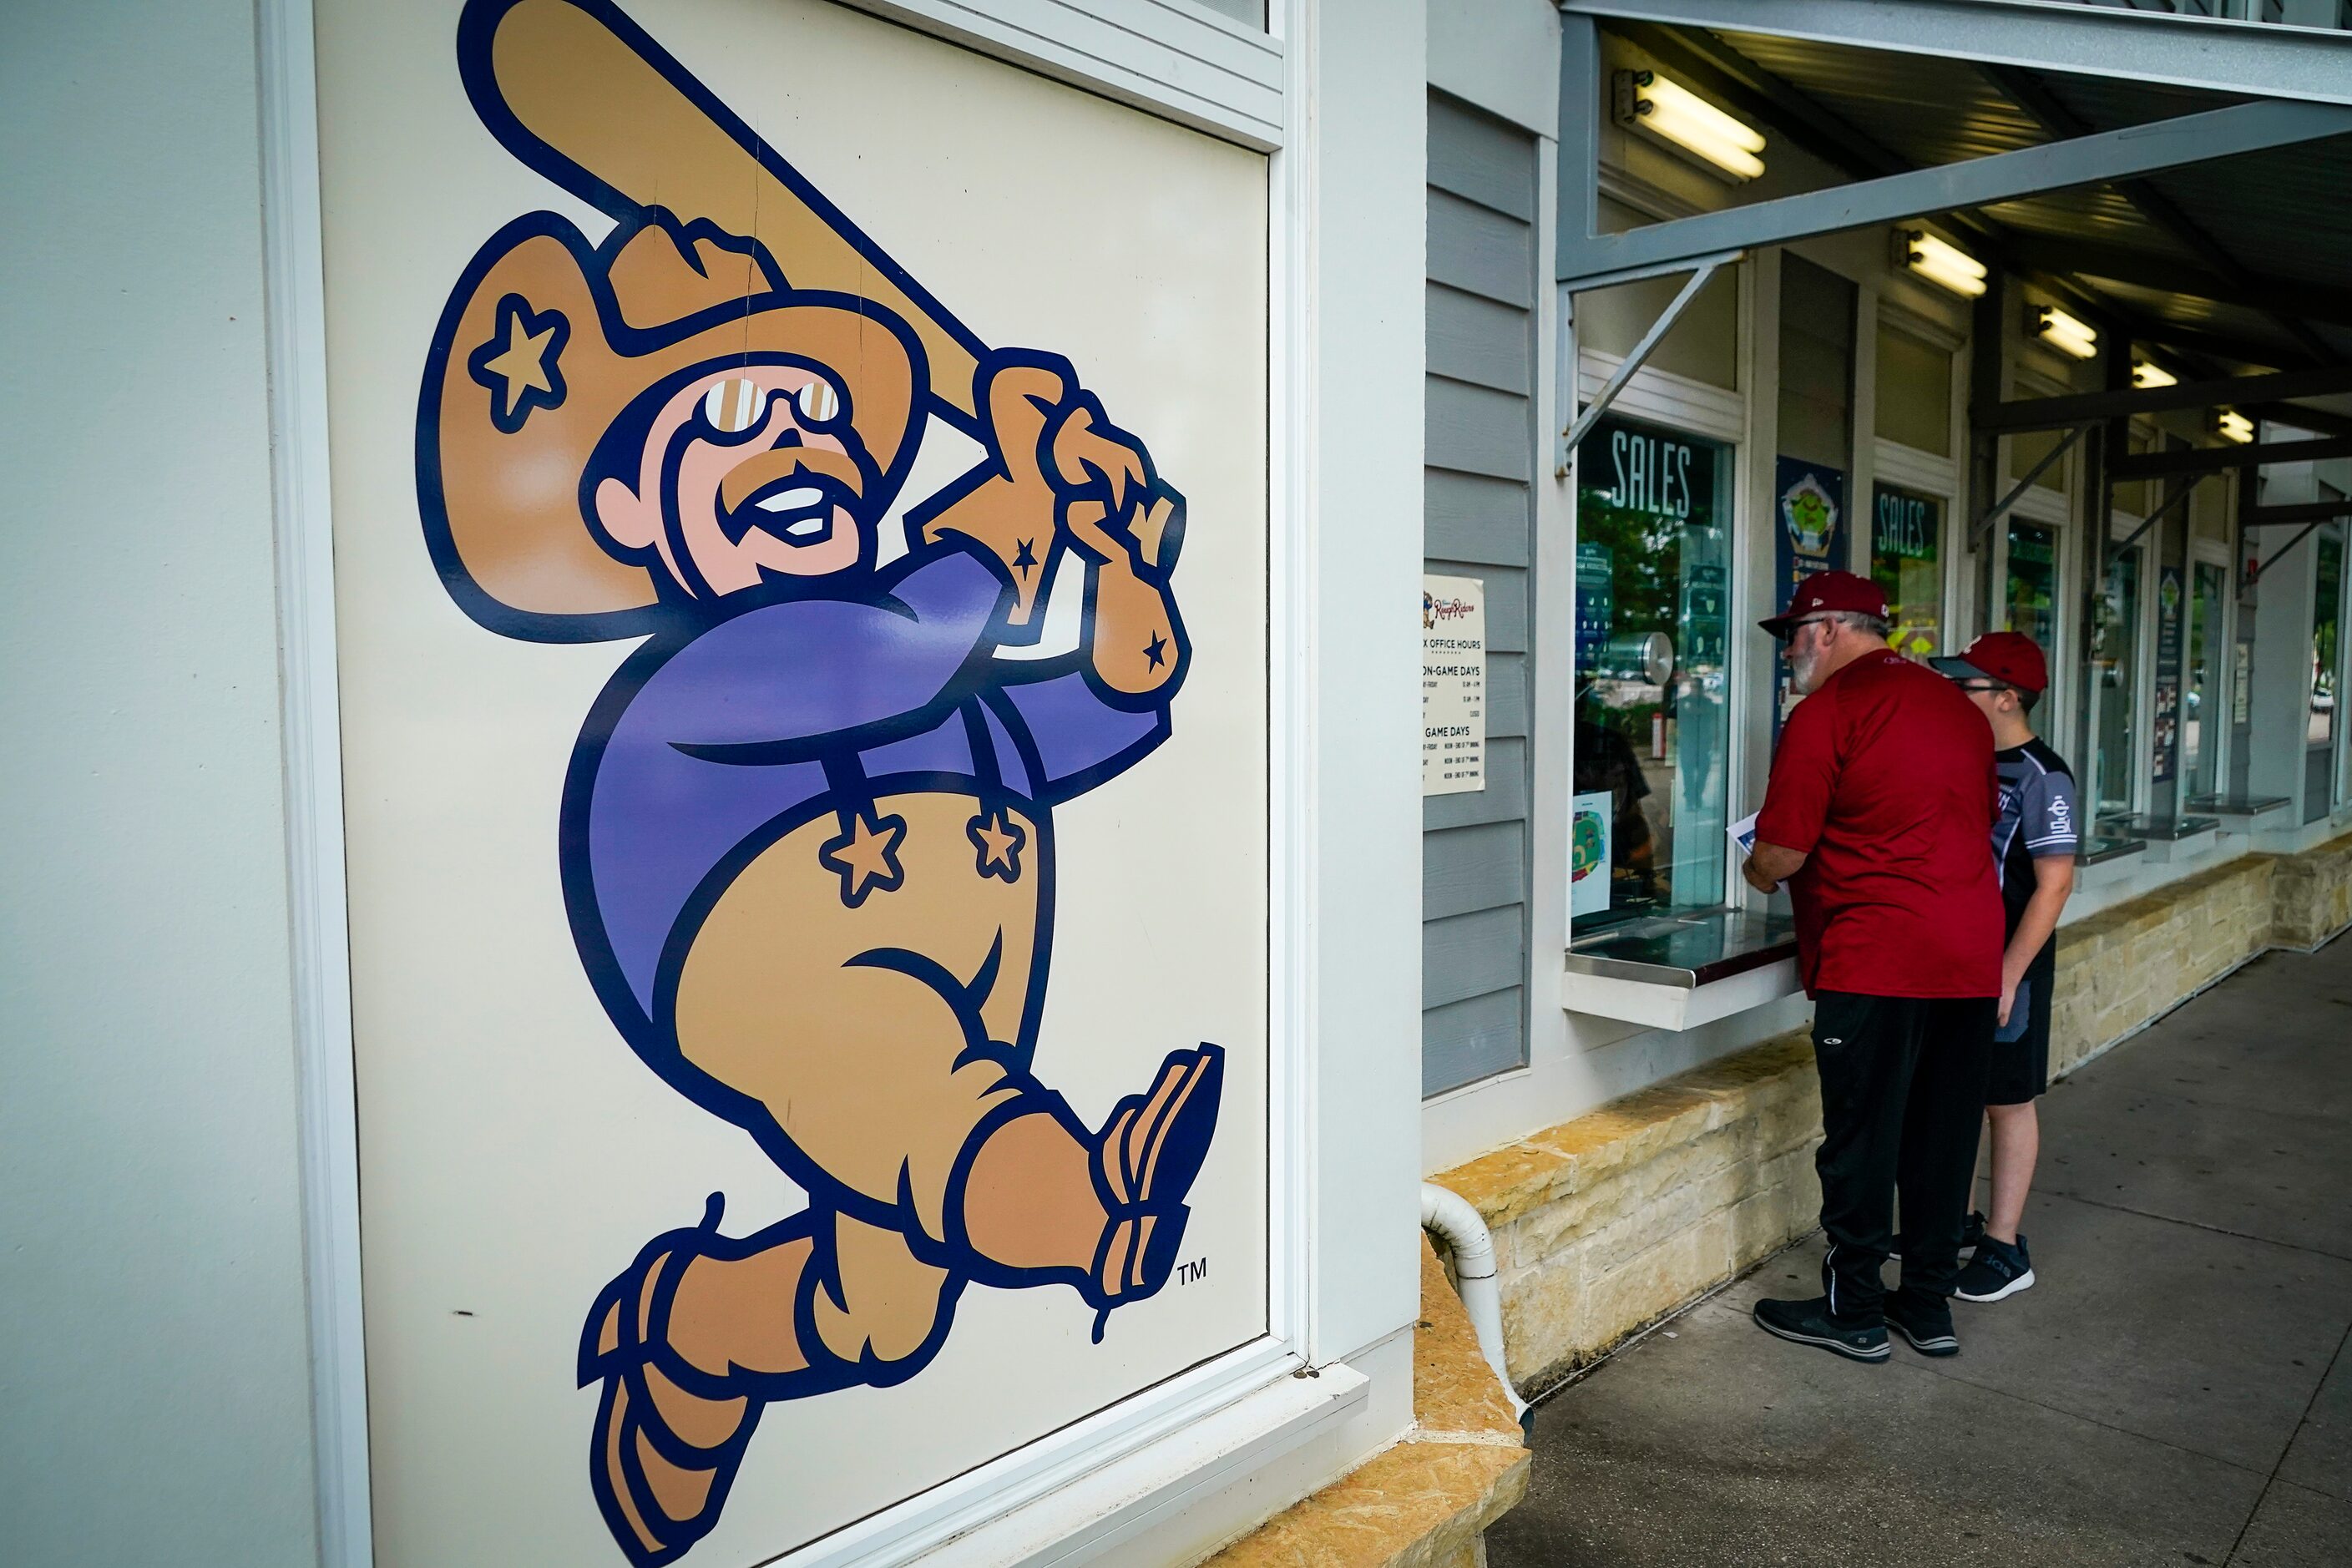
{"x":1687,"y":949}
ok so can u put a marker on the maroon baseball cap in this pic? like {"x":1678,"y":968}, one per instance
{"x":1825,"y":591}
{"x":2010,"y":657}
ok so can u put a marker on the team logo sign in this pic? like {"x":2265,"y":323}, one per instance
{"x":807,"y":834}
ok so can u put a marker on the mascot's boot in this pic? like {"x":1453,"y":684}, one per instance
{"x":668,"y":1436}
{"x":1150,"y":1150}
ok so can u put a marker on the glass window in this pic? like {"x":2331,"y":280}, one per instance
{"x":2115,"y":686}
{"x":1906,"y":562}
{"x":2326,"y":602}
{"x":2032,"y":592}
{"x":1652,"y":636}
{"x":2030,"y":448}
{"x":2207,"y":595}
{"x":1915,"y":393}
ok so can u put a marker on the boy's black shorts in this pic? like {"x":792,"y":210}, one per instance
{"x":2021,"y":1067}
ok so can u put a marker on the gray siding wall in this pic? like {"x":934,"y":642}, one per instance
{"x":1478,"y":521}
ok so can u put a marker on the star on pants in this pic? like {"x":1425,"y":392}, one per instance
{"x":867,"y":856}
{"x":999,"y":839}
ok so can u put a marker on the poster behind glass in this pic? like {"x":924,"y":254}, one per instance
{"x":2207,"y":589}
{"x":1653,"y":642}
{"x":1906,"y":562}
{"x":2115,"y":686}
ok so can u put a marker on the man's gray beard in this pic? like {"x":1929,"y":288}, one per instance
{"x":1802,"y":672}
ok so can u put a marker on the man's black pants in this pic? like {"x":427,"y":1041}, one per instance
{"x":1902,"y":1091}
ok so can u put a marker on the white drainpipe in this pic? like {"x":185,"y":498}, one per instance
{"x":1451,"y":1217}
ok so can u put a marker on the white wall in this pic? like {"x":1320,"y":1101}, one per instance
{"x":1366,"y":261}
{"x":155,"y":1369}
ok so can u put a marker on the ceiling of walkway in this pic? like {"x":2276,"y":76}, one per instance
{"x":2236,"y":263}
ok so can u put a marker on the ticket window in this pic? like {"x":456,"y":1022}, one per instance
{"x":1906,"y":562}
{"x":1653,"y":643}
{"x":2113,"y":697}
{"x":2202,"y":721}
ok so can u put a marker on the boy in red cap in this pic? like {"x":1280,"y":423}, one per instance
{"x":2033,"y":840}
{"x":1876,"y":815}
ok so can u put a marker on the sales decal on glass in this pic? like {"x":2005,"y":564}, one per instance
{"x":1906,"y":562}
{"x":1452,"y":685}
{"x":1652,"y":644}
{"x":808,"y":833}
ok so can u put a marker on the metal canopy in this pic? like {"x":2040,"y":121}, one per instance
{"x":2264,"y":61}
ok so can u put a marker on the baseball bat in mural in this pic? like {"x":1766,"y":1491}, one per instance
{"x":807,"y":837}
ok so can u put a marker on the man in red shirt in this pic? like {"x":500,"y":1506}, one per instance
{"x":1877,"y":816}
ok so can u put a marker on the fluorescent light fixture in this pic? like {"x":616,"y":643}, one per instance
{"x":1672,"y":112}
{"x":2147,"y":373}
{"x":2063,"y":332}
{"x":1944,"y":265}
{"x":2235,"y":427}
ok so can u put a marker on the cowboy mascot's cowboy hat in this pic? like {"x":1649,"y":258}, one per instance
{"x":548,"y":341}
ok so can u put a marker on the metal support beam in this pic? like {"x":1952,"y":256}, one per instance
{"x":1975,"y":182}
{"x":2178,"y":495}
{"x":2300,"y":416}
{"x":1633,"y":362}
{"x":2086,"y":40}
{"x":2017,"y":493}
{"x":2237,"y":391}
{"x":2263,"y":565}
{"x":2220,"y":459}
{"x":2295,"y":512}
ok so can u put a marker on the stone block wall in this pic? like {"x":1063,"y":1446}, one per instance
{"x":1608,"y":1223}
{"x":2312,"y":900}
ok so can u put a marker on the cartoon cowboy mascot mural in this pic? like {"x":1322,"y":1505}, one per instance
{"x":807,"y":834}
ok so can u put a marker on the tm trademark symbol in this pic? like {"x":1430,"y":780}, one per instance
{"x":1188,"y":1272}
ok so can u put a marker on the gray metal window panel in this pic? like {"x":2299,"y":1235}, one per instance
{"x":1477,"y":341}
{"x":1468,"y":518}
{"x":1465,"y":869}
{"x":1478,"y":249}
{"x":1475,"y":430}
{"x":1466,"y":1041}
{"x":1464,"y":956}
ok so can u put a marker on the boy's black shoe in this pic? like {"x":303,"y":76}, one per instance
{"x":1998,"y":1271}
{"x":1972,"y":1235}
{"x":1809,"y":1322}
{"x":1924,"y":1321}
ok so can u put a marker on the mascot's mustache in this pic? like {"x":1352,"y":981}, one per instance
{"x":752,"y":475}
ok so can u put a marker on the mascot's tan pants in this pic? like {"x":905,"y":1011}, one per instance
{"x":808,"y":1005}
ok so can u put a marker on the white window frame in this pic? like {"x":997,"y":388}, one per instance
{"x":1172,"y":58}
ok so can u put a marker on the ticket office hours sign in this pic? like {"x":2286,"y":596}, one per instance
{"x":1452,"y":685}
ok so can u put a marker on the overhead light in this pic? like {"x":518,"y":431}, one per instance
{"x":1672,"y":112}
{"x":2235,"y":427}
{"x":1947,"y":266}
{"x":2063,"y":332}
{"x":2146,"y":373}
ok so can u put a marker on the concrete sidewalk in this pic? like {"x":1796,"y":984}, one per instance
{"x":2175,"y":1389}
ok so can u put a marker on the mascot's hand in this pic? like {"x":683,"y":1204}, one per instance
{"x":1062,"y":476}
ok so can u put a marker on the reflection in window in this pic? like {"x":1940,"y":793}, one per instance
{"x":2115,"y":685}
{"x":1906,"y":562}
{"x":2033,"y":590}
{"x":2327,"y":595}
{"x":1653,"y":637}
{"x":2203,"y":700}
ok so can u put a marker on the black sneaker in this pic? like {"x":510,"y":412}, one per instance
{"x":1809,"y":1322}
{"x":1998,"y":1271}
{"x":1972,"y":1235}
{"x":1924,"y":1321}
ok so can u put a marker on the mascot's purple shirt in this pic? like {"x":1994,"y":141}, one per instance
{"x":872,"y":687}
